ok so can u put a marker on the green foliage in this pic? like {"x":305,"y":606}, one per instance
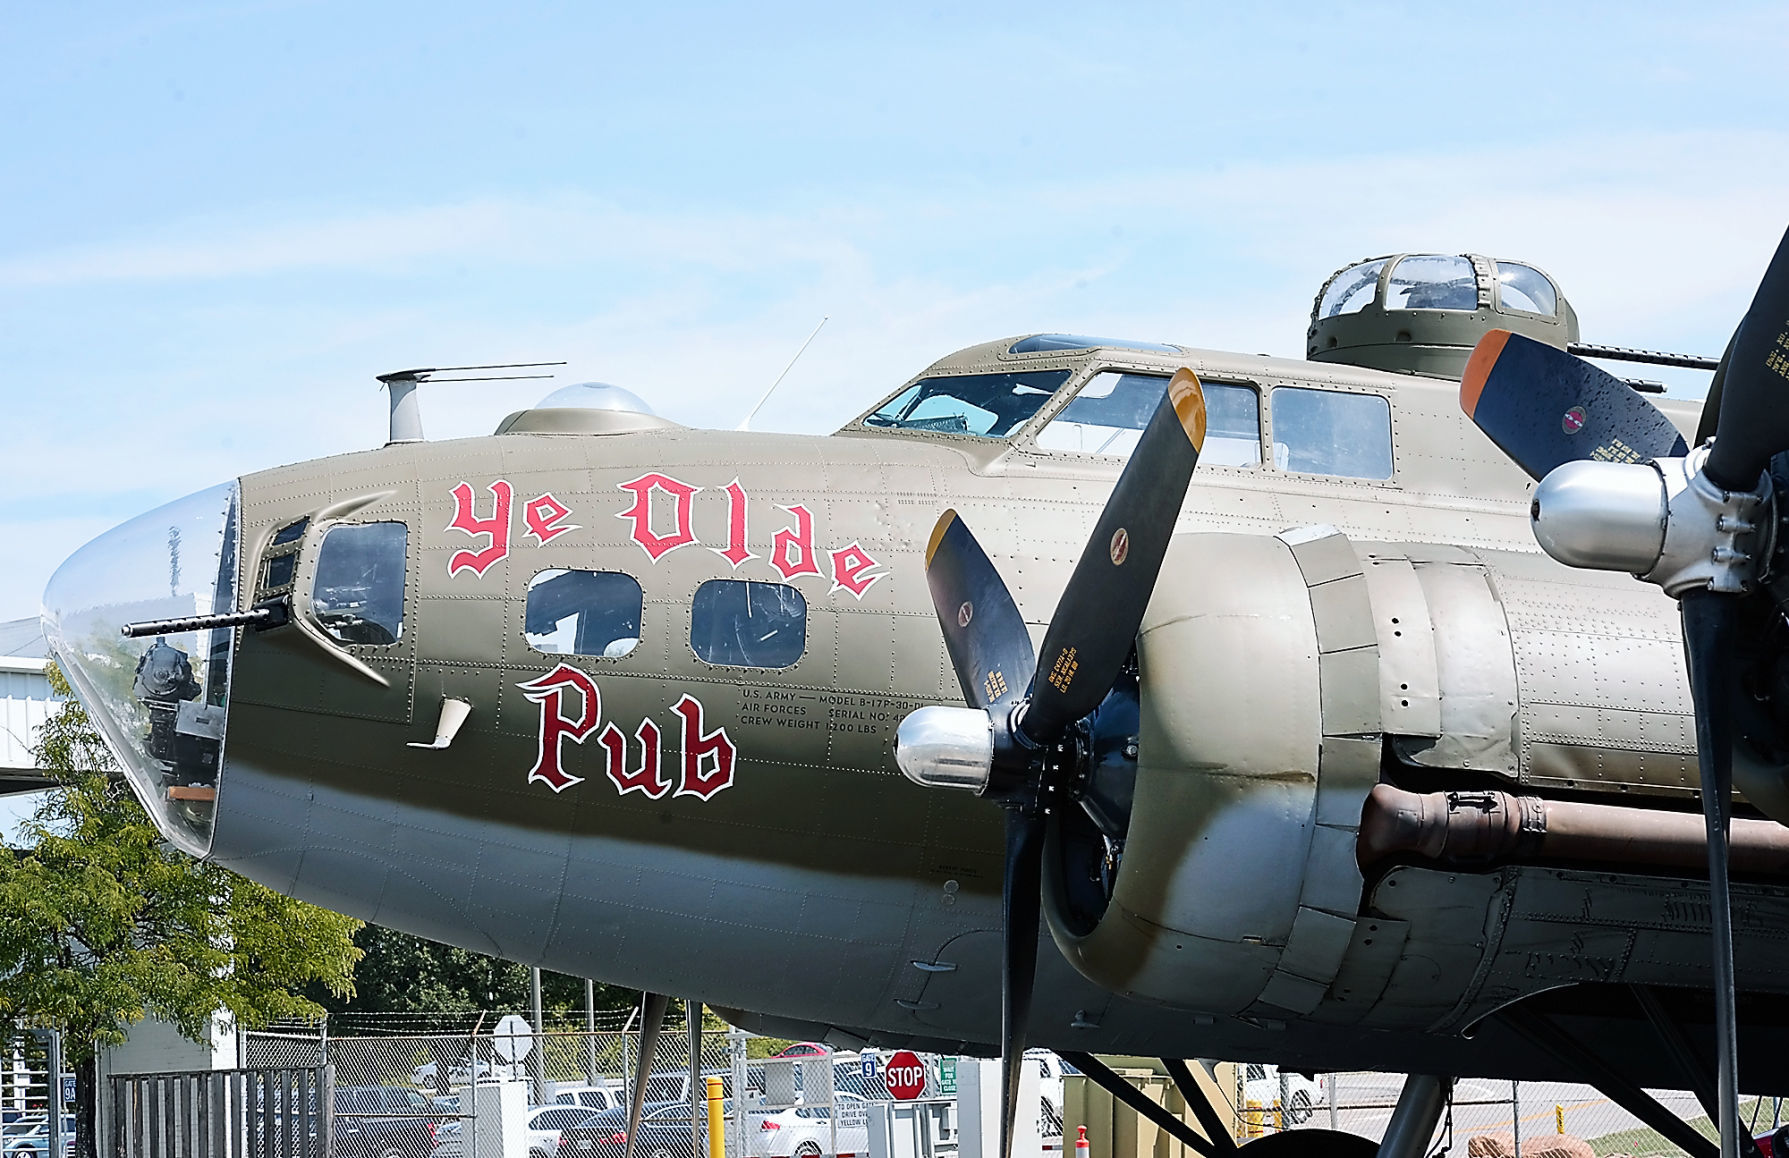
{"x":762,"y":1047}
{"x":399,"y":973}
{"x":102,"y":924}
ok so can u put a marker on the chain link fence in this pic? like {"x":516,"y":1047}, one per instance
{"x":1485,"y":1118}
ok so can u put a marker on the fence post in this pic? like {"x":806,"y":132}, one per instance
{"x":1515,"y":1115}
{"x":1335,"y":1093}
{"x":326,"y":1108}
{"x":589,"y":1032}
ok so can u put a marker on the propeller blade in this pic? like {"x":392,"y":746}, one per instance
{"x":1711,"y":406}
{"x":983,"y":630}
{"x":1708,"y":639}
{"x":652,"y":1017}
{"x":1754,"y":422}
{"x":1020,"y":903}
{"x":1543,"y":407}
{"x":1097,"y":618}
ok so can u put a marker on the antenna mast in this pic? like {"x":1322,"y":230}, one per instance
{"x":406,"y":409}
{"x":746,"y":424}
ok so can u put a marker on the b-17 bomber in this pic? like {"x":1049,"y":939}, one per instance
{"x":1106,"y":696}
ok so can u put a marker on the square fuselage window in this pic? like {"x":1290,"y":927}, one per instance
{"x":584,"y":613}
{"x":744,"y":624}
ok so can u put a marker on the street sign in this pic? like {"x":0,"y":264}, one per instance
{"x":68,"y":1088}
{"x":905,"y":1075}
{"x":513,"y":1038}
{"x":947,"y":1075}
{"x":866,"y":1062}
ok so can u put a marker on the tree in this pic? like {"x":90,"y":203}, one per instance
{"x":400,"y":973}
{"x":103,"y":924}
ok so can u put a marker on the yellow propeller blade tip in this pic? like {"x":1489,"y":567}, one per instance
{"x":1189,"y":405}
{"x":943,"y":525}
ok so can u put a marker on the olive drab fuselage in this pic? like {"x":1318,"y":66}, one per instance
{"x":685,"y":653}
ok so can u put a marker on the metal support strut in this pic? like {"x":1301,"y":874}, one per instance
{"x":1194,"y":1096}
{"x":1415,"y":1117}
{"x":1130,"y":1095}
{"x":1544,"y":1035}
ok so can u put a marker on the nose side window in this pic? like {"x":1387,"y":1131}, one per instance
{"x":358,"y":595}
{"x":744,"y":624}
{"x":583,"y":613}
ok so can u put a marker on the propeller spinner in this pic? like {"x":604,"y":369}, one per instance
{"x":1022,"y":742}
{"x":1698,"y":524}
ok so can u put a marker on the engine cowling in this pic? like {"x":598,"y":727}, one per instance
{"x":1259,"y":740}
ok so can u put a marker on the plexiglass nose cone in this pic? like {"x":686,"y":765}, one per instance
{"x":160,"y":702}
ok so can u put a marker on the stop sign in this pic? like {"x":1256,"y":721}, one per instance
{"x":905,"y":1075}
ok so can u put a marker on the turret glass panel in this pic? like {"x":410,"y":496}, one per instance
{"x":1352,"y":290}
{"x":1431,"y":281}
{"x":1522,"y":287}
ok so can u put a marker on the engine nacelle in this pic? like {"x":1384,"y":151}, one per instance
{"x":1260,"y":738}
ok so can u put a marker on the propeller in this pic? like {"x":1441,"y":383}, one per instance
{"x":652,"y":1019}
{"x":1584,"y":412}
{"x":1022,"y":741}
{"x":1696,"y":523}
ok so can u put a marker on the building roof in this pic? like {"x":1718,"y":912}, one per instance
{"x":23,"y":639}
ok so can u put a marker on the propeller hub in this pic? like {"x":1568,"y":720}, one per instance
{"x":945,"y":747}
{"x":1606,"y":516}
{"x":1665,"y":521}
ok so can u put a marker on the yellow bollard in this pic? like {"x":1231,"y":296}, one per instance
{"x":717,"y":1137}
{"x":1559,"y":1119}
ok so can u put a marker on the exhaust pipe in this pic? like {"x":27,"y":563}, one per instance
{"x":1475,"y":829}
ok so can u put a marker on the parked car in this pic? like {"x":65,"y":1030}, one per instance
{"x":604,"y":1133}
{"x":590,"y":1097}
{"x":371,"y":1122}
{"x":1261,"y":1086}
{"x":458,"y":1074}
{"x":545,"y":1126}
{"x":30,"y":1137}
{"x":803,"y":1049}
{"x":808,"y":1131}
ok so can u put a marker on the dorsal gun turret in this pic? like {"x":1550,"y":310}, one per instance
{"x":1421,"y":313}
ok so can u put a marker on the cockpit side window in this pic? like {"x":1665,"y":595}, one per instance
{"x":1108,"y":414}
{"x":983,"y":405}
{"x":358,"y":594}
{"x":583,"y":613}
{"x":743,"y":624}
{"x":1330,"y":432}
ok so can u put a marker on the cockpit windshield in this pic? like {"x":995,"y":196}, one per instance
{"x":983,"y":405}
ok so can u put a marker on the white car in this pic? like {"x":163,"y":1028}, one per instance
{"x":590,"y":1097}
{"x":543,"y":1126}
{"x":1049,"y":1070}
{"x":808,"y":1131}
{"x":459,"y":1074}
{"x":1261,"y":1087}
{"x":546,"y":1123}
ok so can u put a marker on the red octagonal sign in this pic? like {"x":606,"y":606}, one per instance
{"x":905,"y":1075}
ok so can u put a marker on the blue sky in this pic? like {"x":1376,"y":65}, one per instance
{"x":221,"y":220}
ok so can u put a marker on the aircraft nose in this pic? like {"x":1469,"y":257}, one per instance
{"x":160,"y":701}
